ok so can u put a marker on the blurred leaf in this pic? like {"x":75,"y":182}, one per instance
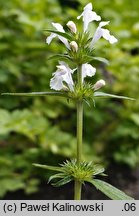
{"x":32,"y":186}
{"x":135,"y":118}
{"x":10,"y":185}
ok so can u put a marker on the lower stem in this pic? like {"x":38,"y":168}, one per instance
{"x":77,"y":190}
{"x":78,"y":184}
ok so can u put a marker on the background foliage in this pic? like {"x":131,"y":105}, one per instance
{"x":42,"y":129}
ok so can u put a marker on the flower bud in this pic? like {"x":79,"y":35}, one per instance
{"x":99,"y":84}
{"x":74,"y":46}
{"x":71,"y":25}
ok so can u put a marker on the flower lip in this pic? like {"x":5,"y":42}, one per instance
{"x":87,"y":70}
{"x":105,"y":33}
{"x":88,"y":16}
{"x":62,"y":74}
{"x":59,"y":28}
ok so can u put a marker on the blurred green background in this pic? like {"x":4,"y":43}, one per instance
{"x":43,"y":129}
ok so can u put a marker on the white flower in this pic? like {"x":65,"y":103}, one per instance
{"x":88,"y":16}
{"x":62,"y":74}
{"x":59,"y":28}
{"x":74,"y":46}
{"x":105,"y":33}
{"x":71,"y":25}
{"x":87,"y":70}
{"x":99,"y":84}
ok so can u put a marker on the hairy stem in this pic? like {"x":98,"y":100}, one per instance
{"x":78,"y":184}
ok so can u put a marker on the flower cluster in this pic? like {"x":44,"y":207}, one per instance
{"x":79,"y":48}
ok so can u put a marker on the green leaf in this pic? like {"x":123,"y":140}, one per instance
{"x":102,"y":94}
{"x":63,"y":34}
{"x":86,"y":101}
{"x":58,"y":175}
{"x":59,"y":56}
{"x":63,"y":181}
{"x":98,"y":170}
{"x":92,"y":58}
{"x":110,"y":190}
{"x":101,"y":60}
{"x":61,"y":94}
{"x":54,"y":168}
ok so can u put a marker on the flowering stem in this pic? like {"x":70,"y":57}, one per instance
{"x":79,"y":76}
{"x":79,"y":130}
{"x":78,"y":184}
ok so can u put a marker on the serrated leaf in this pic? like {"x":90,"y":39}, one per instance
{"x":53,"y":168}
{"x":36,"y":94}
{"x":102,"y":94}
{"x":59,"y":56}
{"x":63,"y":34}
{"x":109,"y":190}
{"x":63,"y":181}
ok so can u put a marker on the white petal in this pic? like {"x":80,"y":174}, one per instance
{"x":56,"y":83}
{"x":113,"y":39}
{"x":68,"y":79}
{"x":106,"y":34}
{"x":87,"y":70}
{"x":67,"y":74}
{"x":58,"y":27}
{"x":88,"y":6}
{"x":64,"y":41}
{"x":97,"y":36}
{"x":50,"y":38}
{"x":67,"y":67}
{"x":78,"y":17}
{"x":63,"y":74}
{"x":101,"y":24}
{"x":88,"y":16}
